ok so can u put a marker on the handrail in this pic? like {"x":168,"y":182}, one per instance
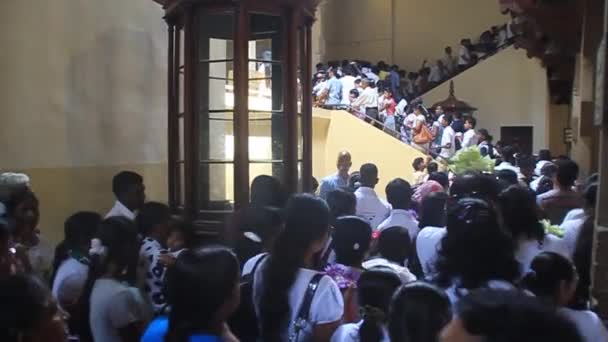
{"x":376,"y":123}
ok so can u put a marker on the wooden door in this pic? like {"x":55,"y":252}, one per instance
{"x":518,"y":136}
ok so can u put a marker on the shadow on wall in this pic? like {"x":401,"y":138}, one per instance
{"x":116,"y":101}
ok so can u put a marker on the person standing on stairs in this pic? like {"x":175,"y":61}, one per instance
{"x":367,"y":100}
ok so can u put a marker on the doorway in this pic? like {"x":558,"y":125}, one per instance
{"x":519,"y":137}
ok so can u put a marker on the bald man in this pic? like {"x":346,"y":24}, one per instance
{"x":339,"y":179}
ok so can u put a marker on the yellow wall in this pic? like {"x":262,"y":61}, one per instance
{"x":83,"y":96}
{"x":402,"y":31}
{"x":509,"y":89}
{"x":366,"y":145}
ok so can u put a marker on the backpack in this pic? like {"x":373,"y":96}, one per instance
{"x":244,"y":322}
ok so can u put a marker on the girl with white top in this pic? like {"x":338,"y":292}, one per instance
{"x":375,"y":290}
{"x":394,"y":248}
{"x":282,"y":279}
{"x":351,"y":241}
{"x":520,"y":217}
{"x":115,"y":307}
{"x":553,"y":279}
{"x":71,"y":264}
{"x":475,"y":252}
{"x":418,"y":313}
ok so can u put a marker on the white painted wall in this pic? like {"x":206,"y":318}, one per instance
{"x":509,"y":89}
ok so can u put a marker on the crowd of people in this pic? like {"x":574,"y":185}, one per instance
{"x":448,"y":258}
{"x":362,"y":86}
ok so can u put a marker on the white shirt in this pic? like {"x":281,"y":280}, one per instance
{"x":469,"y":139}
{"x":113,"y":307}
{"x":575,"y":214}
{"x":248,"y":267}
{"x":455,"y":293}
{"x":41,"y":259}
{"x":69,"y":281}
{"x":119,"y":209}
{"x":400,"y":109}
{"x":401,"y":218}
{"x":435,"y":74}
{"x":464,"y":56}
{"x":318,"y":89}
{"x":534,"y":184}
{"x":370,"y":207}
{"x":589,"y":325}
{"x":572,"y":229}
{"x":428,"y":244}
{"x":348,"y":84}
{"x":539,"y":166}
{"x":151,"y":273}
{"x":528,"y":249}
{"x":508,"y":166}
{"x":373,"y":77}
{"x":448,"y":137}
{"x":367,"y":99}
{"x":327,"y":305}
{"x":350,"y":333}
{"x":410,"y":120}
{"x":403,"y":272}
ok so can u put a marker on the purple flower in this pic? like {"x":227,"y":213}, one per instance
{"x":345,"y":276}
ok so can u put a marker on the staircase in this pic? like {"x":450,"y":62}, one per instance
{"x":422,"y":95}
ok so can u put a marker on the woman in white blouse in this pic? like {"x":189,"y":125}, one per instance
{"x":282,"y":279}
{"x":553,"y":279}
{"x":475,"y":252}
{"x":520,"y":217}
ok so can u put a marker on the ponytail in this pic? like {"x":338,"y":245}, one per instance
{"x":115,"y":244}
{"x":307,"y":221}
{"x":547,"y":271}
{"x":371,"y":327}
{"x":375,"y":289}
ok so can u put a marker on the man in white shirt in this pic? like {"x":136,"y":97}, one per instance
{"x":369,"y":206}
{"x":436,"y":74}
{"x":508,"y":163}
{"x":470,"y":136}
{"x":367,"y":101}
{"x":130,"y":192}
{"x":544,"y":158}
{"x":448,"y":139}
{"x":348,"y":84}
{"x":399,"y":195}
{"x":449,"y":61}
{"x":464,"y":56}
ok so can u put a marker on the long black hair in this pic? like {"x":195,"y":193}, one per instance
{"x":520,"y":214}
{"x":475,"y":249}
{"x":118,"y":236}
{"x":375,"y":289}
{"x":198,"y":285}
{"x":582,"y":259}
{"x":78,"y":230}
{"x":418,"y":313}
{"x":306,"y":222}
{"x":547,"y":271}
